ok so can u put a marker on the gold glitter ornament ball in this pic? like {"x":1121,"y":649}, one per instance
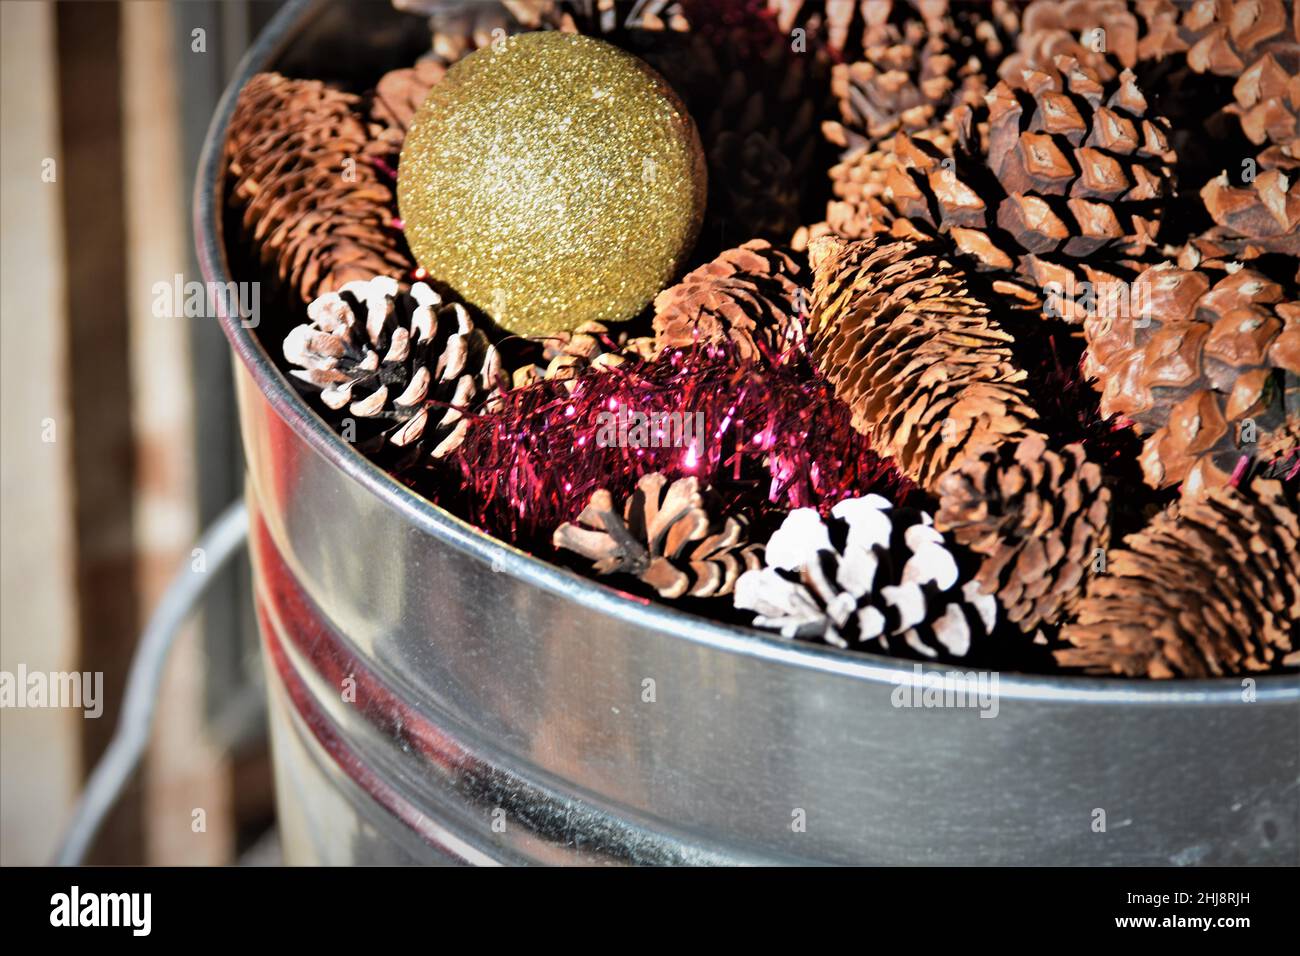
{"x":552,"y":179}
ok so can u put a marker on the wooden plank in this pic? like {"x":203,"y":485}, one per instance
{"x":39,"y":749}
{"x":99,"y":375}
{"x":187,"y":800}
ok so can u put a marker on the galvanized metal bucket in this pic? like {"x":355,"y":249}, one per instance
{"x":438,"y":696}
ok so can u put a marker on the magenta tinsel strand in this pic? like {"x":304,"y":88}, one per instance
{"x":536,"y":460}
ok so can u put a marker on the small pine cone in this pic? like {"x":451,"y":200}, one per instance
{"x":872,"y":577}
{"x":912,"y":351}
{"x":909,"y":85}
{"x":853,"y":28}
{"x":613,"y":18}
{"x":1037,"y":517}
{"x":590,"y":345}
{"x":1212,"y":365}
{"x":749,"y":295}
{"x":860,"y":181}
{"x":313,"y":206}
{"x":407,"y":367}
{"x":1207,"y":592}
{"x":1052,"y":28}
{"x":1260,"y":218}
{"x":459,"y":27}
{"x":842,"y":22}
{"x":1068,"y":172}
{"x":397,"y":97}
{"x":663,"y":535}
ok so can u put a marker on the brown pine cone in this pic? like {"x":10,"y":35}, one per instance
{"x":1070,"y":175}
{"x":863,"y":206}
{"x":664,"y":535}
{"x":1037,"y":517}
{"x":1259,"y":218}
{"x":398,"y":96}
{"x":1052,"y":28}
{"x":1258,"y":43}
{"x":749,"y":295}
{"x":590,"y":345}
{"x":851,"y":27}
{"x":908,"y":85}
{"x":913,"y":352}
{"x":1205,"y":593}
{"x":845,"y":24}
{"x":459,"y":27}
{"x":314,"y":208}
{"x":1268,"y":106}
{"x":1210,"y":357}
{"x":757,"y":111}
{"x":406,"y":367}
{"x":617,"y":17}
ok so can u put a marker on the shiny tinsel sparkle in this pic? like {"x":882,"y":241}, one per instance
{"x":772,"y":439}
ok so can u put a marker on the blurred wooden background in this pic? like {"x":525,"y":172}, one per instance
{"x":104,"y":107}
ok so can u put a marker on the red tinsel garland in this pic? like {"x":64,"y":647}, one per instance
{"x":773,"y":437}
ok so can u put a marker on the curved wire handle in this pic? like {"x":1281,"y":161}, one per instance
{"x":220,"y":542}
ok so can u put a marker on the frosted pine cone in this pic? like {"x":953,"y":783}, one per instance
{"x":406,"y":367}
{"x":871,"y":577}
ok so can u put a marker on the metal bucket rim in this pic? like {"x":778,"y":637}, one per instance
{"x":443,"y":525}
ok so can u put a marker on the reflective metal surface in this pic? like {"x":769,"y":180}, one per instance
{"x":438,"y":696}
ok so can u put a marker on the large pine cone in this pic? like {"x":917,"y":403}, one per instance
{"x":406,"y":367}
{"x":872,"y":577}
{"x":748,"y":295}
{"x":912,"y":351}
{"x":1258,"y":218}
{"x":1257,"y":42}
{"x":1213,"y":356}
{"x":663,"y":535}
{"x":1037,"y":516}
{"x":313,"y":206}
{"x":1205,"y":593}
{"x":1072,"y":172}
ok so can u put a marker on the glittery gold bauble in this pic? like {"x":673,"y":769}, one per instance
{"x":552,"y":179}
